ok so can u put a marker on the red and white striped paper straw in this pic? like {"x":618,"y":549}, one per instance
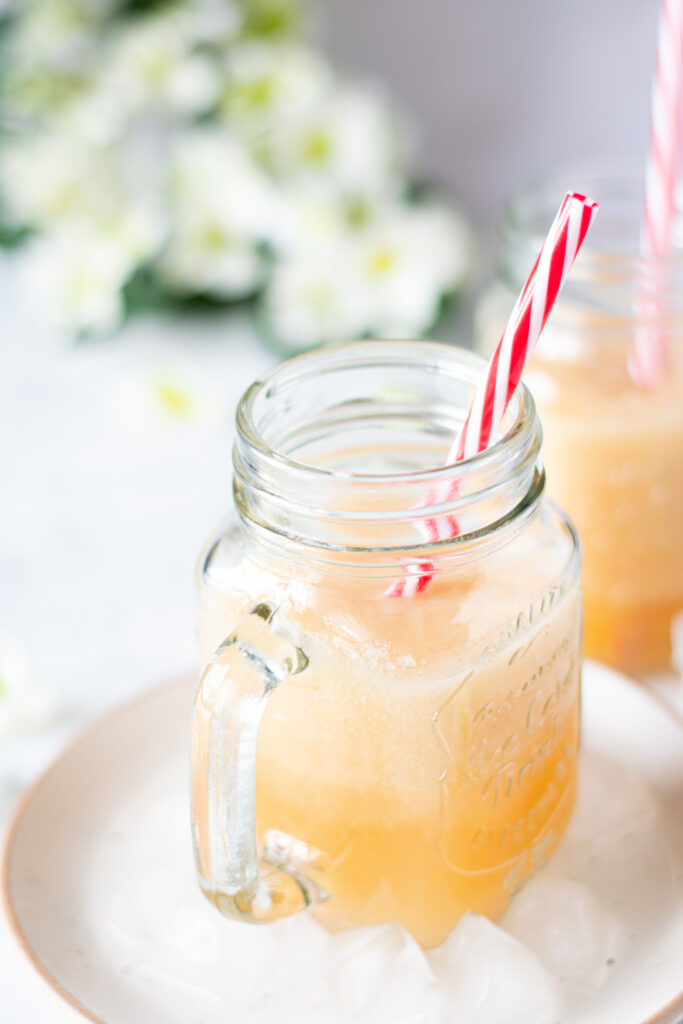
{"x":663,"y":156}
{"x":527,"y":320}
{"x":648,"y":354}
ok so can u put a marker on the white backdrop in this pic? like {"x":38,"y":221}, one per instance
{"x":505,"y":90}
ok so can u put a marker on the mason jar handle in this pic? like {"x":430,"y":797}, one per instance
{"x":232,"y":696}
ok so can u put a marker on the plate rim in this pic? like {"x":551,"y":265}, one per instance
{"x":670,"y":1013}
{"x":49,"y":982}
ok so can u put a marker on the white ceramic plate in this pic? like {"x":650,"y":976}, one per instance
{"x":99,"y":887}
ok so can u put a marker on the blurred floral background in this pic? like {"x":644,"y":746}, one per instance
{"x":203,"y":150}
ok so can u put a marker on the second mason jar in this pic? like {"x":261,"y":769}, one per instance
{"x":381,"y":757}
{"x":613,"y":449}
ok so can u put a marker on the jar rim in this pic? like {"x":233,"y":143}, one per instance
{"x":364,"y":353}
{"x":614,"y":242}
{"x":496,"y":489}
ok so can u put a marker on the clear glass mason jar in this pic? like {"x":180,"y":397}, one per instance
{"x":613,"y":451}
{"x":382,"y":758}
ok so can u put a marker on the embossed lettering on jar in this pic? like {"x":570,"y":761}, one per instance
{"x":416,"y":756}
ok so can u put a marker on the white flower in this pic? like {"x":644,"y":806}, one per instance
{"x":57,"y":33}
{"x":222,"y":209}
{"x":51,"y":55}
{"x":78,"y":275}
{"x":312,"y":298}
{"x":315,"y":217}
{"x":385,"y":278}
{"x":348,"y":139}
{"x":266,"y":86}
{"x":49,"y":178}
{"x":135,"y":231}
{"x":173,"y":393}
{"x":211,"y":169}
{"x":153,"y":67}
{"x":211,"y":22}
{"x":405,"y":262}
{"x":23,"y":702}
{"x":94,"y":118}
{"x":206,"y":258}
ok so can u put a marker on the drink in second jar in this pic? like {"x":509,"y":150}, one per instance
{"x":613,"y":451}
{"x":615,"y":458}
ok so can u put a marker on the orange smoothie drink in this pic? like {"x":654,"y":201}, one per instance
{"x":613,"y":451}
{"x":380,"y":758}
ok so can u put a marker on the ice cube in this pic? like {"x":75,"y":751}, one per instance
{"x":246,"y":957}
{"x":575,"y":936}
{"x":297,"y":981}
{"x":618,"y":843}
{"x":379,"y":975}
{"x":488,"y":976}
